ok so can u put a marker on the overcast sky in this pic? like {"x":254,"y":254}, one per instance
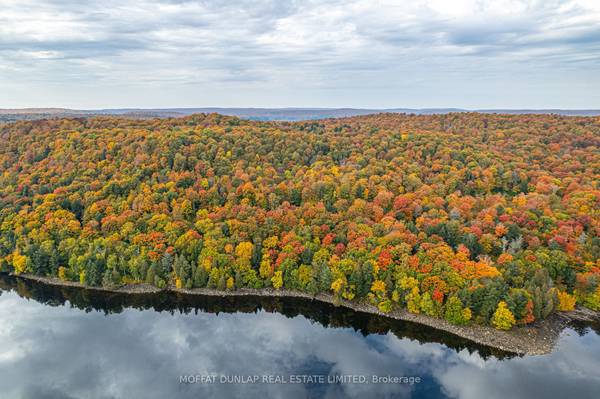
{"x":277,"y":53}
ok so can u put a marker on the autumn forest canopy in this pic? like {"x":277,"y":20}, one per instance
{"x":490,"y":219}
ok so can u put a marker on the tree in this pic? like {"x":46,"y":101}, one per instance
{"x":200,"y":277}
{"x":503,"y":318}
{"x":277,"y":280}
{"x":62,"y":273}
{"x":427,"y":307}
{"x":483,"y":208}
{"x":266,"y":269}
{"x":182,"y":269}
{"x":455,"y":313}
{"x":20,"y":262}
{"x":566,"y":302}
{"x":413,"y":300}
{"x":230,"y":284}
{"x":324,"y":278}
{"x":244,"y":253}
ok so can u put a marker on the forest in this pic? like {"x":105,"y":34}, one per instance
{"x":475,"y":218}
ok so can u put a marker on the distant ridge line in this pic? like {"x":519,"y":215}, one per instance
{"x":282,"y":114}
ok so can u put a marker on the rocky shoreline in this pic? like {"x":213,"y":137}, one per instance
{"x":536,"y":339}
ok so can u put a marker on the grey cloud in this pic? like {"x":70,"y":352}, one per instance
{"x":295,"y":48}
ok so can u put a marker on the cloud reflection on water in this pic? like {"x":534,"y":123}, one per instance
{"x":60,"y":352}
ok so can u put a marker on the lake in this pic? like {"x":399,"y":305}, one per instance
{"x":65,"y":342}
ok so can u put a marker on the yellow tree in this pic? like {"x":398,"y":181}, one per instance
{"x":503,"y":318}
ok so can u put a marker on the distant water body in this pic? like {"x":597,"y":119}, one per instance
{"x":60,"y":342}
{"x":264,"y":114}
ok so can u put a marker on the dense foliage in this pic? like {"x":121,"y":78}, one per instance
{"x":492,"y":219}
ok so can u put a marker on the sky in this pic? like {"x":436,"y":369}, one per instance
{"x":277,"y":53}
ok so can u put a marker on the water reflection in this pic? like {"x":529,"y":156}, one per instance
{"x":137,"y":347}
{"x":324,"y":314}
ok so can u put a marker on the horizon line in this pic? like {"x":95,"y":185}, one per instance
{"x":299,"y":108}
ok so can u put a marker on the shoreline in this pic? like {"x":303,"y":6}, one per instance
{"x":538,"y":338}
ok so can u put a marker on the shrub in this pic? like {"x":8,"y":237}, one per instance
{"x":385,"y":306}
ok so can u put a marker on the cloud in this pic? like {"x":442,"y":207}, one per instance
{"x":265,"y":50}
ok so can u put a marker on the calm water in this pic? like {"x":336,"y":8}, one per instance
{"x":73,"y":343}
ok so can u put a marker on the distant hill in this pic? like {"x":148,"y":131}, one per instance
{"x":566,"y":112}
{"x":265,"y":114}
